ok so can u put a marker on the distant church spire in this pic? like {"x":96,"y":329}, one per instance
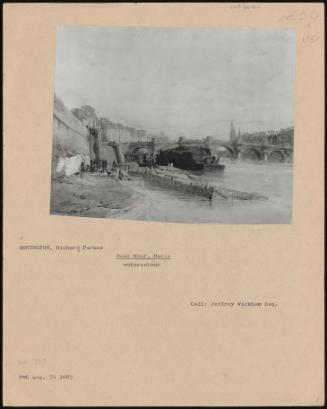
{"x":232,"y":134}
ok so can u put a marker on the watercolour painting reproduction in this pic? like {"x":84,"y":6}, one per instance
{"x":184,"y":125}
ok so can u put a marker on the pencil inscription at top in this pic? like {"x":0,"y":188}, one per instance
{"x":241,"y":6}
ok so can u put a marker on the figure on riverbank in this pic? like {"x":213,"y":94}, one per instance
{"x":82,"y":170}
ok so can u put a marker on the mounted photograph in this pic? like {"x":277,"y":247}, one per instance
{"x":179,"y":125}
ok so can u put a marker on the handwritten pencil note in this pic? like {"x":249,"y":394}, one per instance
{"x":306,"y":18}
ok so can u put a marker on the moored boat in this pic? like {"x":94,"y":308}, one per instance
{"x":190,"y":157}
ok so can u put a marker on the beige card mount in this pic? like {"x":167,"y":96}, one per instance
{"x":163,"y":204}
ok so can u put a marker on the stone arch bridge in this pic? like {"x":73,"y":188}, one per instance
{"x":147,"y":147}
{"x":252,"y":151}
{"x":271,"y":153}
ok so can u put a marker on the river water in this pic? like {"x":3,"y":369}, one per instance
{"x":272,"y":180}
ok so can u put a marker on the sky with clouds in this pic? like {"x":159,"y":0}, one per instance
{"x":182,"y":81}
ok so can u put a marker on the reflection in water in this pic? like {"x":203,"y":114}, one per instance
{"x":273,"y":180}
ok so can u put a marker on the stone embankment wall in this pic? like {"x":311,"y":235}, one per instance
{"x":178,"y":182}
{"x":108,"y":153}
{"x":70,"y":136}
{"x":187,"y":183}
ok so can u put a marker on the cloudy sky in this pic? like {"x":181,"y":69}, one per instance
{"x":183,"y":81}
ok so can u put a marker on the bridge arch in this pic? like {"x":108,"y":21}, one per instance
{"x":231,"y":152}
{"x":251,"y":153}
{"x":139,"y":150}
{"x":276,"y":155}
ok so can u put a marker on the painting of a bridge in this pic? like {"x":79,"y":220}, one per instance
{"x":143,"y":132}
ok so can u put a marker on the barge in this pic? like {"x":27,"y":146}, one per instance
{"x":191,"y":157}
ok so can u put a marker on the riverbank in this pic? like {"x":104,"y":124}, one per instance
{"x":183,"y":181}
{"x":136,"y":198}
{"x":158,"y":203}
{"x":90,"y":196}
